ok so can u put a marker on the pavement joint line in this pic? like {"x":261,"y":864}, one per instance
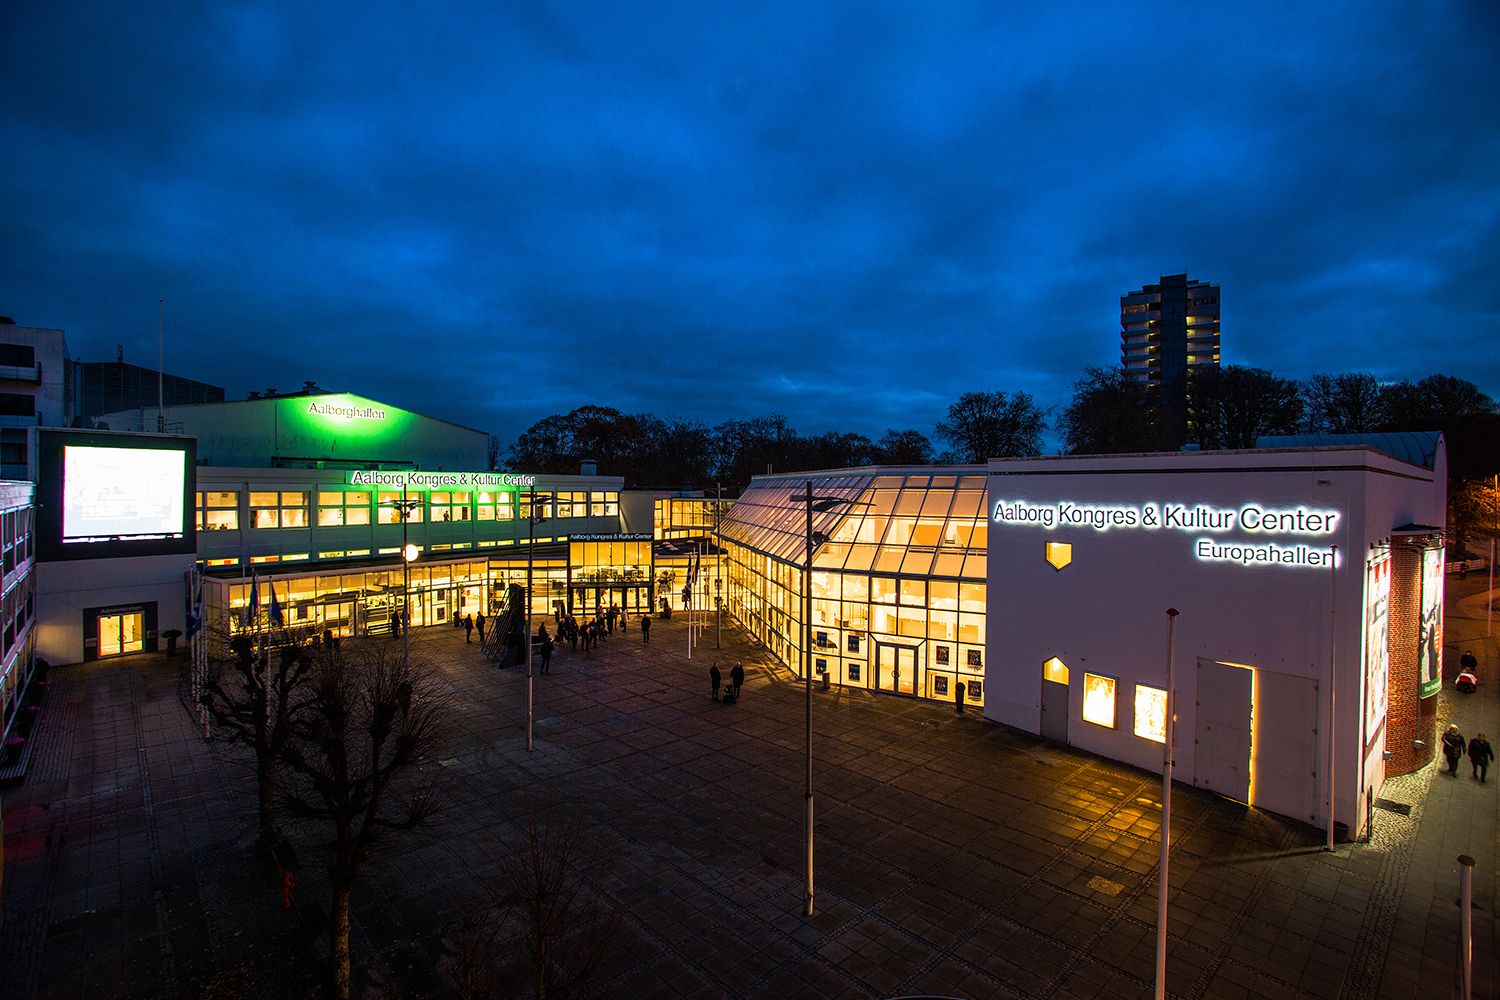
{"x":1242,"y":916}
{"x":1367,"y":966}
{"x":153,"y":836}
{"x":23,"y":937}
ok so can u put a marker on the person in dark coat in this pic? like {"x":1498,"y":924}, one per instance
{"x":1480,"y":755}
{"x":736,"y":678}
{"x":479,"y":624}
{"x":958,"y":695}
{"x":714,"y":680}
{"x":546,"y":644}
{"x":468,"y":629}
{"x":646,"y":629}
{"x":1453,"y":748}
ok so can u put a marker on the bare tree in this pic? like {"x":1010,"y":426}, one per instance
{"x":372,"y":717}
{"x":986,"y":425}
{"x":543,"y":933}
{"x":1111,"y":413}
{"x":1350,"y":403}
{"x":253,"y":697}
{"x":1234,"y":405}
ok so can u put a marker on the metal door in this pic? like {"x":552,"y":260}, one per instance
{"x":1055,"y":711}
{"x":1222,"y":741}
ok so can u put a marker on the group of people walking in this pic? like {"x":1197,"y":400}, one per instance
{"x":594,"y":630}
{"x":1479,"y":750}
{"x":469,"y":623}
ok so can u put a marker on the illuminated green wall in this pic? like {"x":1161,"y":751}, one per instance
{"x":338,"y":428}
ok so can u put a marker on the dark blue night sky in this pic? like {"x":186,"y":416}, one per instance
{"x":845,"y":213}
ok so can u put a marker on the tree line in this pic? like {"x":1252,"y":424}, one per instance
{"x":1230,"y":407}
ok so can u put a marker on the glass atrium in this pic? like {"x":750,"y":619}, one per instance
{"x":898,"y":576}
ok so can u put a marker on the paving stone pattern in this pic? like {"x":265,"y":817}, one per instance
{"x":954,"y":857}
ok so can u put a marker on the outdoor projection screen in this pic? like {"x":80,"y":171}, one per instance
{"x":114,"y":494}
{"x":121,"y":493}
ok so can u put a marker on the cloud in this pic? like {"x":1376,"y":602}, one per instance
{"x":843,"y":214}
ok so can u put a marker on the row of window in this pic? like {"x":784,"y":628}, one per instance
{"x":219,"y":510}
{"x":1099,"y":702}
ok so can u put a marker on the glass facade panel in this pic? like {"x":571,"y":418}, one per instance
{"x":921,"y":614}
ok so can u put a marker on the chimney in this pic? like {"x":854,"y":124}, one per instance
{"x":588,"y":467}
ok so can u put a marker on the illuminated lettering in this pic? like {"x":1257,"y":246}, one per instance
{"x":1297,"y":521}
{"x":1208,"y":550}
{"x":347,"y":412}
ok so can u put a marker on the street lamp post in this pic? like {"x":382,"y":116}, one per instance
{"x":821,"y":505}
{"x":1166,"y":806}
{"x":532,"y":519}
{"x":404,"y":508}
{"x":718,"y":566}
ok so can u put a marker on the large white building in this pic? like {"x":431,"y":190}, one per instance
{"x":1308,"y":586}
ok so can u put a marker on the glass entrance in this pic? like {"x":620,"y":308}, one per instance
{"x":119,"y":634}
{"x":896,"y":669}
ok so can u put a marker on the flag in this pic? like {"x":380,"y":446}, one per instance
{"x":195,"y":613}
{"x":252,"y":609}
{"x":692,"y":576}
{"x":274,"y":615}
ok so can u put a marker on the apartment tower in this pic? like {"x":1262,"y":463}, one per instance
{"x":1168,"y":332}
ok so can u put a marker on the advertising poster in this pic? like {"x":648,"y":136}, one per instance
{"x":1377,"y":642}
{"x":1430,"y":652}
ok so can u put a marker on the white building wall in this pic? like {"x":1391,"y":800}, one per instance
{"x":65,"y":590}
{"x":1105,"y":611}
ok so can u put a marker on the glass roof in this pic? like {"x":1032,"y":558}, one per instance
{"x":916,"y":524}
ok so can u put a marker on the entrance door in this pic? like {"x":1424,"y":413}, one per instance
{"x":1289,"y":760}
{"x":896,"y":669}
{"x":119,"y":634}
{"x":1054,"y":711}
{"x":1224,"y":723}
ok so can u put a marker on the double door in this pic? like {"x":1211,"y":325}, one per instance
{"x":896,"y":669}
{"x":122,"y":633}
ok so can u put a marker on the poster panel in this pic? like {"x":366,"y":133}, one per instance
{"x":1430,"y":652}
{"x":1377,"y":642}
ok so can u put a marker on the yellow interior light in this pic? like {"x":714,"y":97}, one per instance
{"x":1055,"y":670}
{"x":1151,"y":713}
{"x":1099,"y":700}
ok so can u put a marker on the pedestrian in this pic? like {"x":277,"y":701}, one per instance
{"x":714,"y":679}
{"x":624,"y":624}
{"x":546,"y":641}
{"x":479,"y":624}
{"x":646,"y":629}
{"x":1468,"y":662}
{"x":468,"y":628}
{"x":1480,"y":755}
{"x":609,"y":619}
{"x":736,"y":678}
{"x":1453,"y":748}
{"x":958,"y":695}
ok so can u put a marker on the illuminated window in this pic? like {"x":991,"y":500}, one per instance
{"x":389,"y":505}
{"x":278,"y":510}
{"x":1055,"y":670}
{"x":1099,"y":700}
{"x":219,"y":511}
{"x":1151,"y":713}
{"x":337,"y":507}
{"x":448,"y":507}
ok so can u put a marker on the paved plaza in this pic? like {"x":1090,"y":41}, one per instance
{"x":954,"y":856}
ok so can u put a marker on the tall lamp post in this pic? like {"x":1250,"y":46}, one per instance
{"x":533,"y":518}
{"x":404,"y":508}
{"x":821,"y":505}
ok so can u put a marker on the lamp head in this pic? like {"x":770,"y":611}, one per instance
{"x":409,"y":552}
